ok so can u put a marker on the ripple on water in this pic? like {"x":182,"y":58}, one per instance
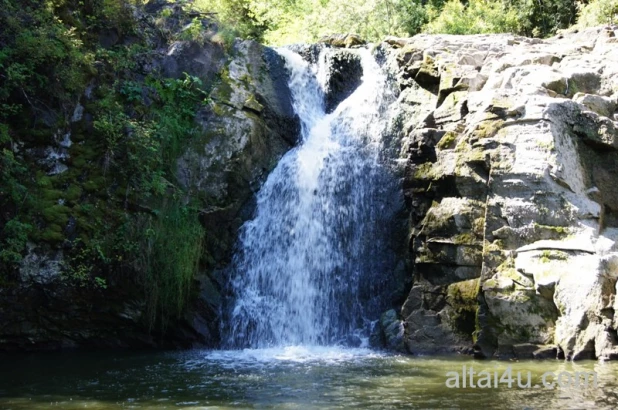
{"x":298,"y":377}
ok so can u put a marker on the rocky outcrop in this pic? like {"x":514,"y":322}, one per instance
{"x":510,"y":145}
{"x":343,"y":75}
{"x":341,"y":67}
{"x":343,"y":40}
{"x":248,"y":126}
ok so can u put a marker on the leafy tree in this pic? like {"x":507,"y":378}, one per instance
{"x":598,"y":12}
{"x":477,"y":17}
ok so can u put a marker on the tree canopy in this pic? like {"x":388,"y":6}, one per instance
{"x":288,"y":21}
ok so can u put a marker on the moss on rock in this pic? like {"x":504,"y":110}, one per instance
{"x":462,"y":301}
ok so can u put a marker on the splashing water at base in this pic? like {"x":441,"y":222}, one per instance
{"x":316,"y":253}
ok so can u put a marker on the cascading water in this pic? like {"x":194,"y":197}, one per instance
{"x":312,"y":261}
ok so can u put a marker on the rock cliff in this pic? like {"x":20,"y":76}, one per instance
{"x":511,"y":155}
{"x":242,"y":127}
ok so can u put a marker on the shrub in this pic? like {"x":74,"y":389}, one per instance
{"x":477,"y":17}
{"x":170,"y":249}
{"x":598,"y":12}
{"x":14,"y":236}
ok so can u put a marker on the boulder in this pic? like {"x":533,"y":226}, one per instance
{"x":343,"y":75}
{"x":342,"y":40}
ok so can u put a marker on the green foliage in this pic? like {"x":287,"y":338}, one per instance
{"x":543,"y":18}
{"x":12,"y":174}
{"x":477,"y":17}
{"x":240,"y":16}
{"x":43,"y":62}
{"x":288,"y":21}
{"x":179,"y":99}
{"x":143,"y":150}
{"x":373,"y":19}
{"x":83,"y":264}
{"x":170,"y":247}
{"x":121,"y":163}
{"x":13,"y":238}
{"x":193,"y":32}
{"x":598,"y":12}
{"x":162,"y":244}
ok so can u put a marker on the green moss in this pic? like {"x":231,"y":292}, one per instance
{"x":435,"y":220}
{"x":73,"y":193}
{"x":424,"y":171}
{"x":253,"y":104}
{"x":43,"y":180}
{"x":223,"y":91}
{"x":462,"y":299}
{"x":559,"y":230}
{"x":51,"y":194}
{"x":220,"y":110}
{"x":478,"y":226}
{"x":447,"y":141}
{"x":495,"y":246}
{"x":95,"y":185}
{"x":491,"y":283}
{"x":465,"y":239}
{"x":78,"y":162}
{"x":52,"y":233}
{"x":548,"y":145}
{"x":508,"y":264}
{"x":488,"y":128}
{"x":57,"y":214}
{"x":547,"y":256}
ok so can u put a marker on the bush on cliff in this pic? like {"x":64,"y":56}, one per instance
{"x":116,"y":208}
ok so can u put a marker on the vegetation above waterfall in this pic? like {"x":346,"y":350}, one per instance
{"x":290,"y":21}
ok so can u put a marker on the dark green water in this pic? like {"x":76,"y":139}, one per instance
{"x":292,"y":378}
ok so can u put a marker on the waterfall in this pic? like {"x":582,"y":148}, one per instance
{"x":311,"y":264}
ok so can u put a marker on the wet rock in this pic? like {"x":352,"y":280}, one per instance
{"x":250,"y":119}
{"x":41,"y":267}
{"x":200,"y":60}
{"x":545,"y":352}
{"x":392,"y":330}
{"x":108,"y":38}
{"x":342,"y":40}
{"x":343,"y":75}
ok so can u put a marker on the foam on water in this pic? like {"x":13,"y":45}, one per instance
{"x":290,"y":355}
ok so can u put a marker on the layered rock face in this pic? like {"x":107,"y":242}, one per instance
{"x":511,"y":146}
